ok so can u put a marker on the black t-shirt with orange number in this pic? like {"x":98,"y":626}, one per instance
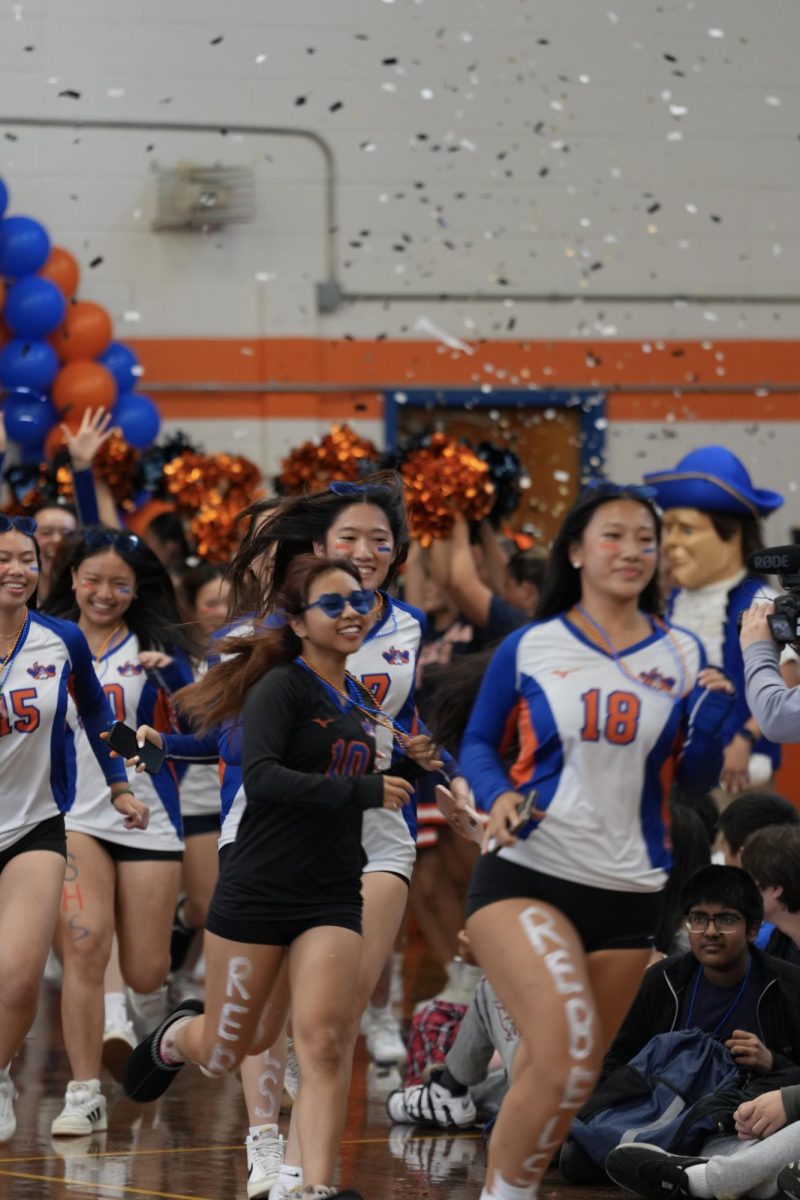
{"x":307,"y":762}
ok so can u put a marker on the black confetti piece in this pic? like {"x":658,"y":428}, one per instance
{"x":337,"y":104}
{"x":653,"y":208}
{"x":96,"y":261}
{"x":389,"y":62}
{"x":216,"y":41}
{"x":715,"y":218}
{"x":70,"y":94}
{"x":300,"y":101}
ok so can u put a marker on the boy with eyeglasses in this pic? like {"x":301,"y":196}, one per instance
{"x":724,"y":986}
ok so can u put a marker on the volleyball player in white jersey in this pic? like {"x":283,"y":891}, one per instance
{"x":124,"y":603}
{"x":203,"y":601}
{"x":40,"y":658}
{"x":564,"y":902}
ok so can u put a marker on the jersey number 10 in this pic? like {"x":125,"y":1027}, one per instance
{"x":620,"y":720}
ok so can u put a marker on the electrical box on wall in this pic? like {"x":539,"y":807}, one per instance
{"x":191,"y":197}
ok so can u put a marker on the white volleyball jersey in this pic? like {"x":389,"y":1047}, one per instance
{"x":37,"y":761}
{"x":137,"y":697}
{"x":593,"y":735}
{"x":200,"y":786}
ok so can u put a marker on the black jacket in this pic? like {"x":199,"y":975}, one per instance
{"x":657,"y":1006}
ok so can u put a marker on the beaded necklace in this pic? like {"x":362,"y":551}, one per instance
{"x":598,"y":636}
{"x":7,"y":660}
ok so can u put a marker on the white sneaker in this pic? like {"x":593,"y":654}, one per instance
{"x":8,"y":1119}
{"x":290,"y":1179}
{"x":84,"y":1110}
{"x":264,"y":1159}
{"x":384,"y":1040}
{"x":291,"y":1076}
{"x":431,"y":1104}
{"x":118,"y":1042}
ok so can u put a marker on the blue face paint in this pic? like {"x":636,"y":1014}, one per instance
{"x":384,"y":549}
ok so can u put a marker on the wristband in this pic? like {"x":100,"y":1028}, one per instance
{"x":748,"y":734}
{"x":123,"y":791}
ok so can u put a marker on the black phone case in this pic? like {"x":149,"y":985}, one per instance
{"x":123,"y":739}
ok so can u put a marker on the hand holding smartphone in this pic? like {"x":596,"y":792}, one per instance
{"x":123,"y":739}
{"x":466,"y":821}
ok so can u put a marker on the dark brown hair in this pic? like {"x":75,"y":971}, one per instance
{"x":772,"y":857}
{"x":219,"y":696}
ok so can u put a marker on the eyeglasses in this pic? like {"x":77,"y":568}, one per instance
{"x":97,"y":538}
{"x":724,"y":922}
{"x":26,"y":525}
{"x":332,"y":603}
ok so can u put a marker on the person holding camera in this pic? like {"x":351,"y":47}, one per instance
{"x":712,"y":524}
{"x":600,"y":695}
{"x":775,"y":706}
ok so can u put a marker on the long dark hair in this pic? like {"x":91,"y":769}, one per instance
{"x":219,"y":695}
{"x":153,"y":613}
{"x":189,"y":587}
{"x":561,"y":589}
{"x":300,"y":522}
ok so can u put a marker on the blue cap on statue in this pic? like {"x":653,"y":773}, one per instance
{"x":712,"y":479}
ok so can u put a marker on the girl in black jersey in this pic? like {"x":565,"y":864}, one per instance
{"x":290,"y":885}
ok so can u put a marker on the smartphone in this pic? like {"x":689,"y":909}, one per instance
{"x":525,"y":810}
{"x":468,"y":822}
{"x":123,"y":739}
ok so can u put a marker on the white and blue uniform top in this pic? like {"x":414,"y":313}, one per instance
{"x":594,"y":734}
{"x":200,"y":786}
{"x":138,"y":697}
{"x":37,"y":760}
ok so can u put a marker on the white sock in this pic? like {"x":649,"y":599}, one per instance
{"x":500,"y":1190}
{"x":116,"y":1010}
{"x":697,"y":1179}
{"x":149,"y":1007}
{"x":5,"y":1072}
{"x":257,"y":1130}
{"x":375,"y":1011}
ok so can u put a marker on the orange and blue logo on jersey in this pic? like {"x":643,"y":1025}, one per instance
{"x":127,"y":669}
{"x":654,"y":679}
{"x":39,"y":671}
{"x":396,"y":658}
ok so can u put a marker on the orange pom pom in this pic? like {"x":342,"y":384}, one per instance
{"x":442,"y":479}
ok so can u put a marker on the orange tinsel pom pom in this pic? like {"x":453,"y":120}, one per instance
{"x":442,"y":479}
{"x":191,"y":480}
{"x":339,"y":456}
{"x":115,"y":464}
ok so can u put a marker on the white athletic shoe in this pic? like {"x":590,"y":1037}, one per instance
{"x":118,"y":1042}
{"x":8,"y":1119}
{"x":264,"y":1159}
{"x":384,"y":1040}
{"x":84,"y":1110}
{"x":290,"y":1179}
{"x":431,"y":1104}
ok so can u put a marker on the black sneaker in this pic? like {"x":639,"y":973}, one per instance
{"x":789,"y":1180}
{"x":146,"y":1076}
{"x":181,"y":938}
{"x":649,"y":1171}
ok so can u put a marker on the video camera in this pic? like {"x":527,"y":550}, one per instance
{"x":783,"y":561}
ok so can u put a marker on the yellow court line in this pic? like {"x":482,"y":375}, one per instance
{"x":101,"y":1187}
{"x":366,"y":1141}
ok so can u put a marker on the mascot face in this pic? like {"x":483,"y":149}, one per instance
{"x":697,"y":555}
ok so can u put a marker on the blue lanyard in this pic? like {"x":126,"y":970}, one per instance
{"x":736,"y":998}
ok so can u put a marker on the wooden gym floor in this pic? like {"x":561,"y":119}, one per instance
{"x":189,"y":1145}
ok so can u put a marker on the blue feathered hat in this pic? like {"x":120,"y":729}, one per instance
{"x":712,"y":479}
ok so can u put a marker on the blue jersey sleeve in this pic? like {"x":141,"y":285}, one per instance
{"x":192,"y":747}
{"x":91,"y":701}
{"x":85,"y":497}
{"x":480,"y":757}
{"x":700,"y":762}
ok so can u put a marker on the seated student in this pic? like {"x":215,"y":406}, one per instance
{"x":762,"y":1160}
{"x":746,"y":814}
{"x":724,"y":986}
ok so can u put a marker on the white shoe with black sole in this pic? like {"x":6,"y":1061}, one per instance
{"x":264,"y":1161}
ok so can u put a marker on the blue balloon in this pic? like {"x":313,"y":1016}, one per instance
{"x":138,"y":418}
{"x":29,"y":417}
{"x":123,"y":365}
{"x":34,"y":307}
{"x":28,"y":365}
{"x":24,"y":246}
{"x":3,"y":197}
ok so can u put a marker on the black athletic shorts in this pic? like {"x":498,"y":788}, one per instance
{"x":201,"y":823}
{"x":47,"y":835}
{"x":604,"y":920}
{"x":119,"y":852}
{"x":275,"y":930}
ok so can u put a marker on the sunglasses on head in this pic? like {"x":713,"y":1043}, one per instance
{"x":26,"y":525}
{"x":96,"y":539}
{"x":332,"y":603}
{"x":606,"y":487}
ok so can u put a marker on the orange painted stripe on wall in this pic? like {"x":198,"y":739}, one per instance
{"x":501,"y":363}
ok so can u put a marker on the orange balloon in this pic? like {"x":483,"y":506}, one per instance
{"x":86,"y":332}
{"x":83,"y":384}
{"x":62,"y":270}
{"x":54,"y":443}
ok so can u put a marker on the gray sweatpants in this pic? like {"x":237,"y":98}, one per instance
{"x":486,"y":1027}
{"x":736,"y":1168}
